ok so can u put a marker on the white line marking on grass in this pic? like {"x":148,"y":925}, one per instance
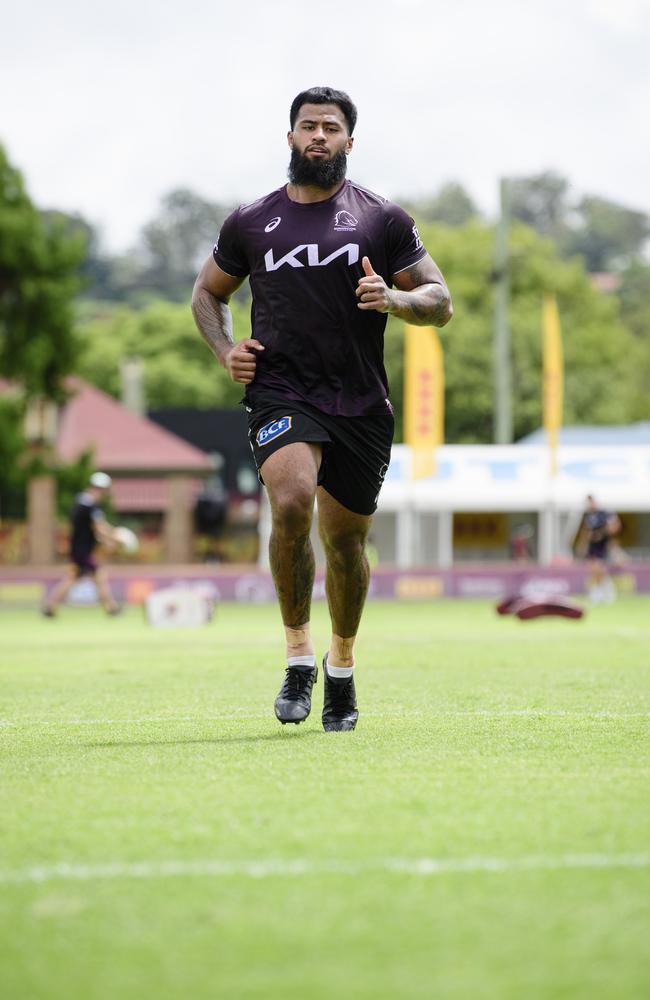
{"x":237,"y":715}
{"x":271,"y":868}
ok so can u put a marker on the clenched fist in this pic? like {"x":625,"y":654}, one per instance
{"x":241,"y":360}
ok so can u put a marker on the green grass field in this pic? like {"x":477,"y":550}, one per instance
{"x":483,"y":834}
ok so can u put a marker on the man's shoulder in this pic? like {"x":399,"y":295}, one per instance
{"x":373,"y":198}
{"x":261,"y":205}
{"x":363,"y":198}
{"x":355,"y":190}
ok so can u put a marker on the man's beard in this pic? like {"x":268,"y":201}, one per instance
{"x":317,"y":172}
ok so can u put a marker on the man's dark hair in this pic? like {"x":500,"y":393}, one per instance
{"x":325,"y":95}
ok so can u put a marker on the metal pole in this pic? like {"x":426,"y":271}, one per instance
{"x":501,"y":358}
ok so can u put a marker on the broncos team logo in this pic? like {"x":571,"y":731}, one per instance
{"x":345,"y":222}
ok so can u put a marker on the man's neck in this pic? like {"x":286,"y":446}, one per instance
{"x":306,"y":194}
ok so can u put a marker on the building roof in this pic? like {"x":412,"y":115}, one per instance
{"x":638,"y":433}
{"x":121,"y":440}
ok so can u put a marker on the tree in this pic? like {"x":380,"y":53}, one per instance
{"x":601,"y":355}
{"x":12,"y":451}
{"x":607,"y":235}
{"x":102,"y":276}
{"x":179,"y":369}
{"x":39,"y":276}
{"x":451,"y":205}
{"x":177,"y":242}
{"x":540,"y":201}
{"x":165,"y":262}
{"x":634,"y":296}
{"x":18,"y":464}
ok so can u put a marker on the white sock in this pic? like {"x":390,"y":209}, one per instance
{"x":301,"y":661}
{"x":339,"y":673}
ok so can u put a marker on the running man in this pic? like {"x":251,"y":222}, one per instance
{"x":327,"y":260}
{"x":89,"y":528}
{"x":594,"y":539}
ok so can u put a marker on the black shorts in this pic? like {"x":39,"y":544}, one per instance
{"x":83,"y":563}
{"x":599,"y":549}
{"x":356,"y":450}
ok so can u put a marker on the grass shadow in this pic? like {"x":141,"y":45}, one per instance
{"x":259,"y":738}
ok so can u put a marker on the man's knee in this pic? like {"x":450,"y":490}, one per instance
{"x":293,"y":509}
{"x":348,"y":542}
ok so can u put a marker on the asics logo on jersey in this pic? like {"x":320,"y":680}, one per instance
{"x":272,"y":224}
{"x":344,"y":222}
{"x":312,"y":256}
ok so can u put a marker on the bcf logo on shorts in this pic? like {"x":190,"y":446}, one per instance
{"x":270,"y":431}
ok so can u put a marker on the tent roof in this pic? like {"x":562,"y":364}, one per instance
{"x":515,"y":478}
{"x":638,"y":433}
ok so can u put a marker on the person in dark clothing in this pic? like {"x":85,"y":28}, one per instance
{"x":596,"y":533}
{"x":89,"y":528}
{"x":327,"y":261}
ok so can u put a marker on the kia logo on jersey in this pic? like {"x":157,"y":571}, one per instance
{"x":313,"y":256}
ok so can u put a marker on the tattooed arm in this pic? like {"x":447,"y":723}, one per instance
{"x":421,"y":296}
{"x":212,"y":291}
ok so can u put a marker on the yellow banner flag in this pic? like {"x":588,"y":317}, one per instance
{"x":553,"y":376}
{"x":424,"y":397}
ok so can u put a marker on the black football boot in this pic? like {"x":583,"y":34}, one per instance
{"x":339,"y":703}
{"x":293,"y":703}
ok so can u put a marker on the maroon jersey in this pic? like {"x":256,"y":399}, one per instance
{"x":304,"y":263}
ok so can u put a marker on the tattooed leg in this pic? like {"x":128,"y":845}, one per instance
{"x":290,"y":475}
{"x":343,"y":535}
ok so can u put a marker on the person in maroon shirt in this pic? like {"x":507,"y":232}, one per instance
{"x":327,"y":260}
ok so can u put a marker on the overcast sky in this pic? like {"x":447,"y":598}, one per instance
{"x":105,"y":107}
